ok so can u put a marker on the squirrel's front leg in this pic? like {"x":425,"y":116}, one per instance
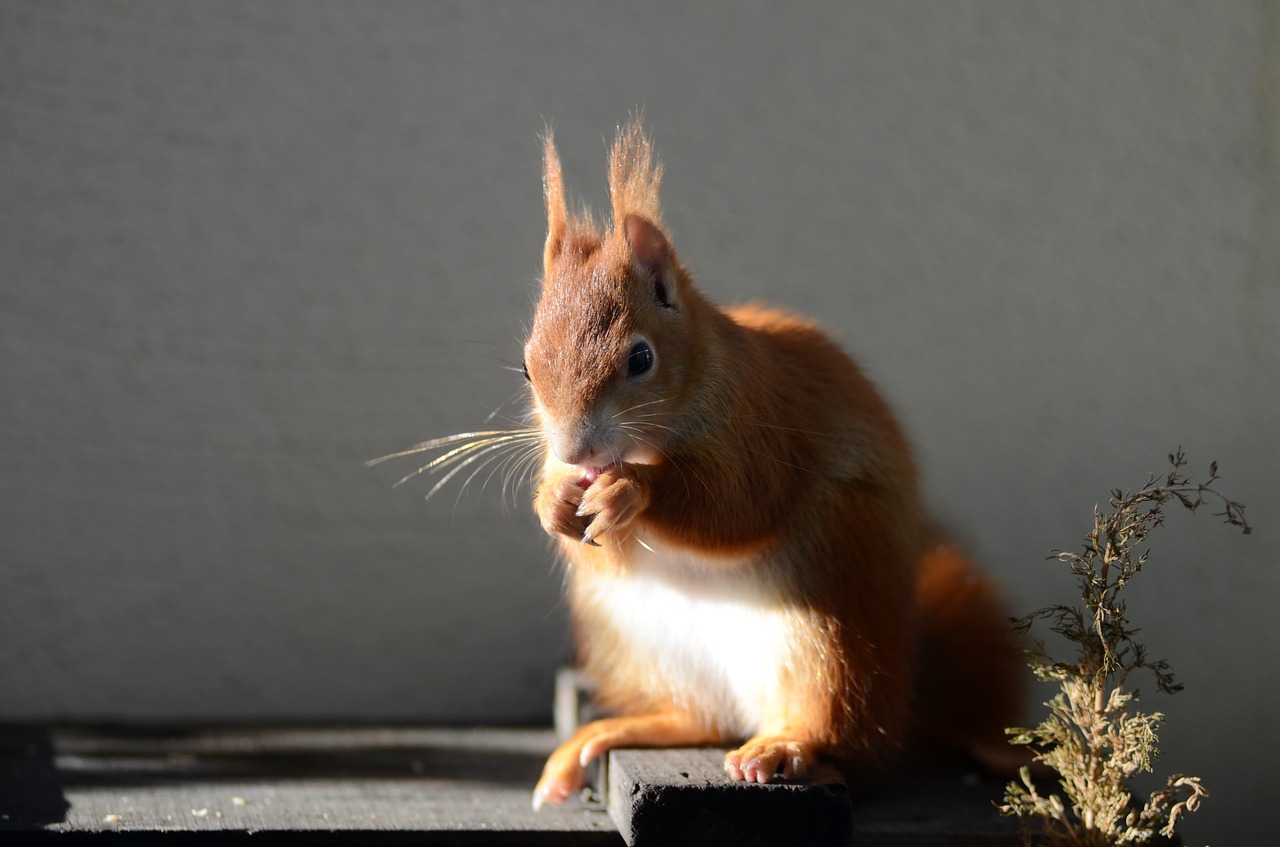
{"x":557,"y":500}
{"x":569,"y":504}
{"x":614,"y":499}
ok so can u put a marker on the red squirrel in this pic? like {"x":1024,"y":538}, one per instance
{"x":748,"y":561}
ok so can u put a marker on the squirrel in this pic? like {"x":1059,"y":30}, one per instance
{"x":748,"y":559}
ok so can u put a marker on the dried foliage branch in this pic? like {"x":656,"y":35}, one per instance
{"x":1094,"y":737}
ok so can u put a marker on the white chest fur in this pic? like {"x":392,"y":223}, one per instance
{"x":709,"y":631}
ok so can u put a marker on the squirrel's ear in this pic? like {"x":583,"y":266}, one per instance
{"x":553,"y":193}
{"x":651,"y":251}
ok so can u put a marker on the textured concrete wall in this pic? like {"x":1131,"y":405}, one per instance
{"x":245,"y":247}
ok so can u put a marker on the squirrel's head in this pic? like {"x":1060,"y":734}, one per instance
{"x":613,"y":353}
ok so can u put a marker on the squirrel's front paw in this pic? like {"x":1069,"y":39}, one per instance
{"x":557,"y":507}
{"x":612,"y":502}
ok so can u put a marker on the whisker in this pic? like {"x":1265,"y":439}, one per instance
{"x":461,"y":466}
{"x":649,"y":425}
{"x":514,"y":469}
{"x":506,"y":402}
{"x":523,"y":423}
{"x":458,"y":453}
{"x":447,"y":458}
{"x":785,"y":464}
{"x":637,"y":432}
{"x":438,"y":442}
{"x":504,"y":466}
{"x":516,"y":453}
{"x":484,"y":464}
{"x":786,"y":428}
{"x":526,"y":466}
{"x":641,"y":406}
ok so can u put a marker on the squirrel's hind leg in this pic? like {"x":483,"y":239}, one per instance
{"x":565,"y":771}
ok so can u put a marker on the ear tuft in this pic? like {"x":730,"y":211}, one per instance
{"x":553,"y":194}
{"x":634,"y":175}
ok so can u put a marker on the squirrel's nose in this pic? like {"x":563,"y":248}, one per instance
{"x":577,"y":444}
{"x":571,"y":448}
{"x":578,"y":454}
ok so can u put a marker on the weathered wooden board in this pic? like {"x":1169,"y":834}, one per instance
{"x":661,"y":797}
{"x":336,"y":786}
{"x":392,"y":786}
{"x":684,"y":797}
{"x":658,"y":797}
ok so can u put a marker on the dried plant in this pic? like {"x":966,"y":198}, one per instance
{"x":1095,"y":738}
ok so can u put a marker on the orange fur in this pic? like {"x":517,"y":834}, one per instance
{"x":958,"y":701}
{"x":752,"y":478}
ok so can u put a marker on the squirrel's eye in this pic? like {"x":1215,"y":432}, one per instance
{"x":524,"y":371}
{"x":640,"y":359}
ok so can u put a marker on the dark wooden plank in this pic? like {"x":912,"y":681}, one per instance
{"x":346,"y":785}
{"x":683,"y":796}
{"x":31,"y":793}
{"x":655,"y":795}
{"x":660,"y":797}
{"x":934,"y":803}
{"x":392,"y":786}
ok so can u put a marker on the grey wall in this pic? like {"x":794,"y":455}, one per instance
{"x":245,"y":247}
